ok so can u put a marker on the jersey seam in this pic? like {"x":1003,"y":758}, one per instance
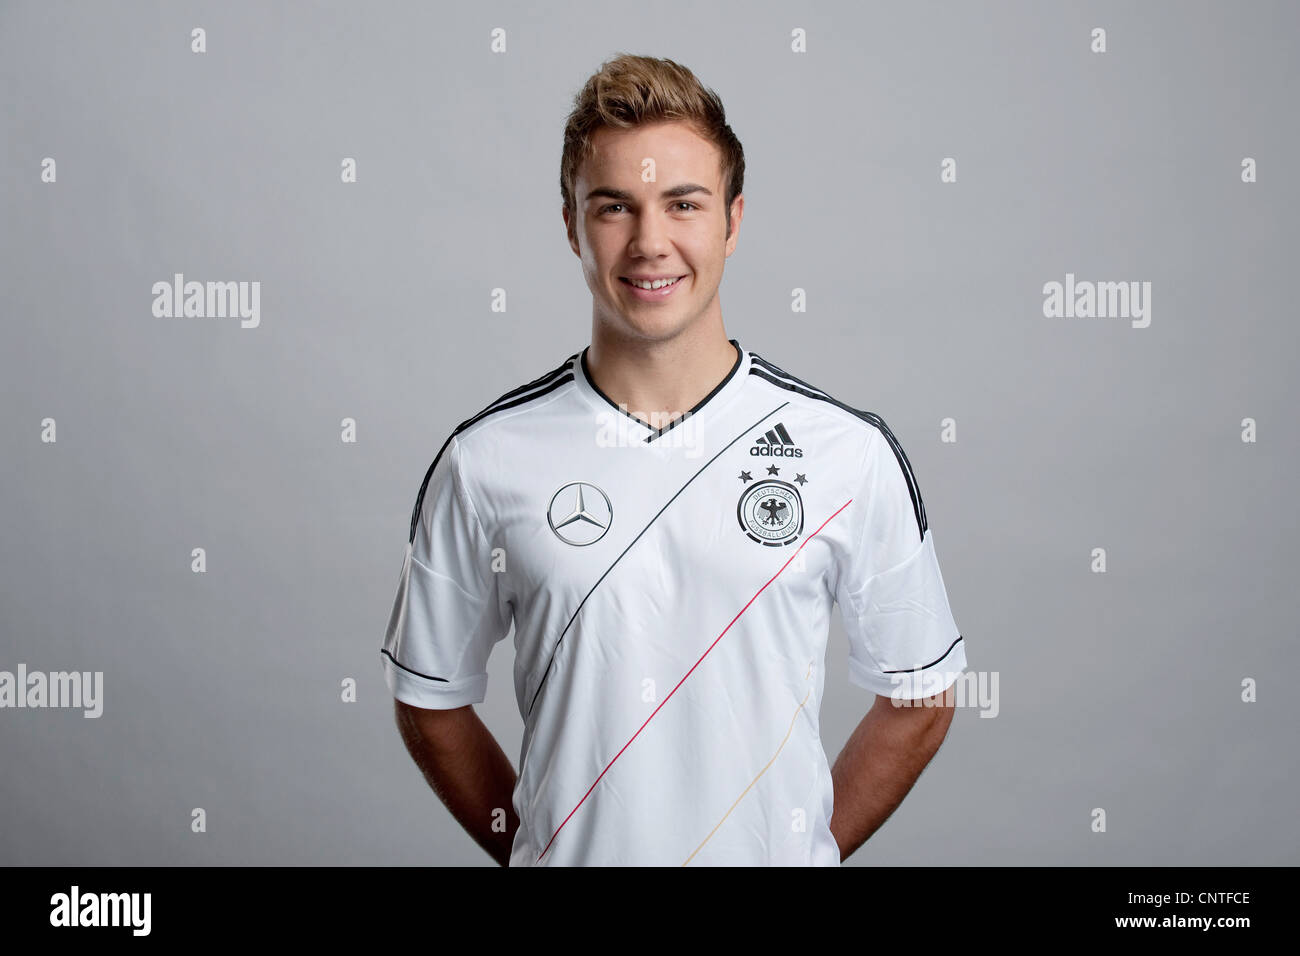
{"x":462,"y":489}
{"x":853,"y":590}
{"x":857,"y":592}
{"x":910,"y":557}
{"x":437,"y":574}
{"x":862,"y":588}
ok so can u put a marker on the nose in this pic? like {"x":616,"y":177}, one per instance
{"x":650,"y":236}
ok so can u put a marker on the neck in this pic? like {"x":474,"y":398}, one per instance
{"x":658,"y":381}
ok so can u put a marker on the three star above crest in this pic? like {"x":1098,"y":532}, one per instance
{"x":745,"y":476}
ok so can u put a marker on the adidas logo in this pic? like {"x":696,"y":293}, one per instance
{"x":777,"y":443}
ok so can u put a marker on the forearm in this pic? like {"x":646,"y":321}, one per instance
{"x":878,"y":766}
{"x":469,"y":772}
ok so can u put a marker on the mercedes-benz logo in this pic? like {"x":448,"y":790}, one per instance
{"x":579,"y":517}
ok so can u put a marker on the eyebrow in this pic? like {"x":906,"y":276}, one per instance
{"x":609,"y":192}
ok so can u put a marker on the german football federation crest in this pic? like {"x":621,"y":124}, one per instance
{"x":771,"y":512}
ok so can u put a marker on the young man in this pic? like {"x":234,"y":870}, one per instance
{"x":670,"y":575}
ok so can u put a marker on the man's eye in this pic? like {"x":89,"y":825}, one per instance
{"x":690,"y":206}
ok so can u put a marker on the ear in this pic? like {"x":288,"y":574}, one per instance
{"x":570,"y":231}
{"x":737,"y":213}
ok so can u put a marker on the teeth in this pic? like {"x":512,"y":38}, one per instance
{"x":656,"y":284}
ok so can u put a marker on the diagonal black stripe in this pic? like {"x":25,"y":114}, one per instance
{"x":785,"y":435}
{"x":547,"y":672}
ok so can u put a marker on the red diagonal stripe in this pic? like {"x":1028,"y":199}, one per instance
{"x":688,"y":674}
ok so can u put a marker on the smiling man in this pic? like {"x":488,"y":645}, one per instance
{"x":671,"y":600}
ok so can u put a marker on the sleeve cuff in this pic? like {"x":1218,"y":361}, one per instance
{"x":433,"y":694}
{"x":910,"y":685}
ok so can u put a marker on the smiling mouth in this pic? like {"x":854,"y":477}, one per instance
{"x":661,"y":284}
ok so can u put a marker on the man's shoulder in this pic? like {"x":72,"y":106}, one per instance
{"x":512,"y":409}
{"x":814,"y":400}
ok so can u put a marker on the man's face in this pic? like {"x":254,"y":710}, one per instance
{"x":673,"y":226}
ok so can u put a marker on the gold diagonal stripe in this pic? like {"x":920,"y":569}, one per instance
{"x":756,"y":779}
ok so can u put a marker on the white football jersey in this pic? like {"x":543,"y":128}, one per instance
{"x":671,"y":591}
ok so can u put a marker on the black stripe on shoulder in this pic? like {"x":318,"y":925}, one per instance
{"x":774,"y":369}
{"x":542,"y":385}
{"x":783,"y":379}
{"x":553,"y":378}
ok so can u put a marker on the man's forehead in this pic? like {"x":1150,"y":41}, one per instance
{"x":679,"y":154}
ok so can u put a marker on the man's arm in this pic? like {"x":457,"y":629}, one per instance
{"x":466,"y":768}
{"x":880,"y":763}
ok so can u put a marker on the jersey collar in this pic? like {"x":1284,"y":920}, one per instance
{"x":717,"y":397}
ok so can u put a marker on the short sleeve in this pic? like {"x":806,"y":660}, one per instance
{"x":447,"y":614}
{"x":903,"y":641}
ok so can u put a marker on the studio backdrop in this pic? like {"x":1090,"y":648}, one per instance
{"x":1051,"y":244}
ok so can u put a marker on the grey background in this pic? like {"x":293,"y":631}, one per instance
{"x":222,"y":690}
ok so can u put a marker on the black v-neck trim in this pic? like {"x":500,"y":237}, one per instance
{"x":657,"y":432}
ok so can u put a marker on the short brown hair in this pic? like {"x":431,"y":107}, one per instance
{"x":630,"y":90}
